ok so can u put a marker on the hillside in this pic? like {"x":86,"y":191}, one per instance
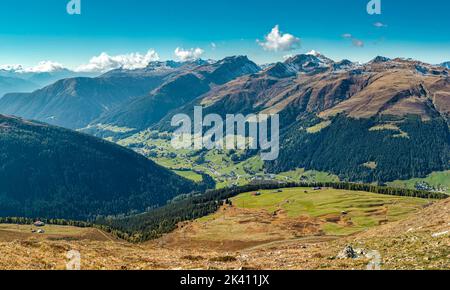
{"x":47,"y":171}
{"x":291,"y":213}
{"x":380,"y":121}
{"x":411,"y":242}
{"x":178,"y":91}
{"x":12,"y":84}
{"x":367,"y":149}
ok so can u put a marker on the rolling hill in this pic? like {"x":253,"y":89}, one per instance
{"x":52,"y":172}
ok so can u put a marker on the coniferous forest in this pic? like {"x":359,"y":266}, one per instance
{"x":348,"y":145}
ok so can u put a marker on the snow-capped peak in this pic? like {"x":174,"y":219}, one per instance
{"x":314,"y":53}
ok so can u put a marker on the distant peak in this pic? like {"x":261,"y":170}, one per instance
{"x":163,"y":64}
{"x":236,"y":58}
{"x":446,"y":64}
{"x":313,"y":52}
{"x":380,"y":59}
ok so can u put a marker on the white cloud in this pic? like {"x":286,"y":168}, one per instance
{"x":347,"y":35}
{"x":379,"y":25}
{"x":276,"y":41}
{"x":356,"y":42}
{"x":42,"y":67}
{"x":45,"y":66}
{"x":189,"y":54}
{"x":105,"y":62}
{"x":213,"y":45}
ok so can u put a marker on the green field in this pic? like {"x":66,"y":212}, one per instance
{"x":302,"y":175}
{"x":439,"y":181}
{"x":361,"y":210}
{"x":220,"y":165}
{"x":190,"y":175}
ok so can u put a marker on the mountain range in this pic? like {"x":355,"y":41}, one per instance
{"x":18,"y":80}
{"x":75,"y":102}
{"x":13,"y":84}
{"x":380,"y":121}
{"x":177,"y":91}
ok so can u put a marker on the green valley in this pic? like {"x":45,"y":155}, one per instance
{"x":227,"y":168}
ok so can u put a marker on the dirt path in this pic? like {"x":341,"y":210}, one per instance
{"x":105,"y":235}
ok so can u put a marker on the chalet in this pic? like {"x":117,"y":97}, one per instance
{"x":39,"y":224}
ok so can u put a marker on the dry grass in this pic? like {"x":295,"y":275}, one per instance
{"x":410,"y":243}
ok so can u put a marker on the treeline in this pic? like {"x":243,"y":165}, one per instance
{"x":156,"y":222}
{"x":57,"y":222}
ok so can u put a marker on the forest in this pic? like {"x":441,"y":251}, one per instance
{"x":347,"y":146}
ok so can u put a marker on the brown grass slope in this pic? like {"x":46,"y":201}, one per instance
{"x":418,"y":242}
{"x":395,"y":87}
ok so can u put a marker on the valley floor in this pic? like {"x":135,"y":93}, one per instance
{"x":418,"y":240}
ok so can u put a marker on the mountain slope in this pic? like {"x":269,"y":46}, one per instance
{"x":51,"y":172}
{"x":143,"y":112}
{"x":11,"y":84}
{"x":74,"y":103}
{"x":381,"y":121}
{"x":366,"y":149}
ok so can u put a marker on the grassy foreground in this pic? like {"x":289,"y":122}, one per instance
{"x":293,"y":213}
{"x":343,"y":212}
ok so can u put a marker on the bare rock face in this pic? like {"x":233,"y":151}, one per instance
{"x":351,"y":253}
{"x":347,"y":253}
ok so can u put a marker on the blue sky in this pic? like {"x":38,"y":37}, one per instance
{"x":32,"y":31}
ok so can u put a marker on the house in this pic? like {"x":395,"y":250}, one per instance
{"x":39,"y":224}
{"x":40,"y":232}
{"x":257,"y":194}
{"x":317,"y":188}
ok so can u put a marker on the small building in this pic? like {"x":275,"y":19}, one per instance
{"x":317,"y":188}
{"x":257,"y":193}
{"x":39,"y":224}
{"x":40,"y":231}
